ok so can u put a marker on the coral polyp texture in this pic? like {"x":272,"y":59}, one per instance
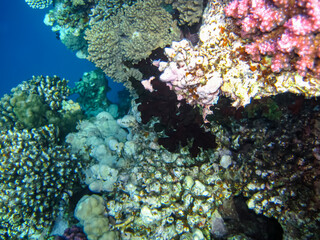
{"x":36,"y":176}
{"x":219,"y":65}
{"x":129,"y":36}
{"x":287,"y":31}
{"x":39,"y":4}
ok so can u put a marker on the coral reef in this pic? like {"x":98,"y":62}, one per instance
{"x":166,"y":170}
{"x":219,"y":64}
{"x":128,"y":37}
{"x":288,"y":31}
{"x":39,"y":4}
{"x":70,"y":18}
{"x":81,"y":2}
{"x":92,"y":89}
{"x":69,"y":23}
{"x":38,"y":102}
{"x":166,"y":195}
{"x":36,"y":176}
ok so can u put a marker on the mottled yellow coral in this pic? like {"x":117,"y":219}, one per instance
{"x":190,"y":12}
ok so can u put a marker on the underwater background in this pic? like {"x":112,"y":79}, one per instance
{"x":160,"y":119}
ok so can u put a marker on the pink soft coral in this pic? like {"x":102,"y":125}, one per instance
{"x":287,"y":30}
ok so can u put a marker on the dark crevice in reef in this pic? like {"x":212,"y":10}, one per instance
{"x":181,"y":123}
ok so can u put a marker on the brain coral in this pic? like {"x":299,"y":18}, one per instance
{"x":129,"y":36}
{"x":39,"y":4}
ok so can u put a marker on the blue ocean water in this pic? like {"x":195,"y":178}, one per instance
{"x":29,"y":47}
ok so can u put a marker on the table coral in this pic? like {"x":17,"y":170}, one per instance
{"x":128,"y":37}
{"x":286,"y":30}
{"x":36,"y":175}
{"x":39,"y":4}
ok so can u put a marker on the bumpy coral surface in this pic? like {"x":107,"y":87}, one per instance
{"x":166,"y":195}
{"x":286,"y":30}
{"x":90,"y":211}
{"x":106,"y":143}
{"x":128,"y":37}
{"x":36,"y":175}
{"x":39,"y":4}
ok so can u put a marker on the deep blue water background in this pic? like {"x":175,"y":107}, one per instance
{"x":29,"y":47}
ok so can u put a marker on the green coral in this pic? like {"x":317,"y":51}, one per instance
{"x":266,"y":107}
{"x":92,"y":90}
{"x":37,"y":102}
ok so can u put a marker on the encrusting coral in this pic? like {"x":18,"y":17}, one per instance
{"x":128,"y":37}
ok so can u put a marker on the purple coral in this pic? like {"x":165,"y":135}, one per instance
{"x":73,"y":233}
{"x":287,"y":30}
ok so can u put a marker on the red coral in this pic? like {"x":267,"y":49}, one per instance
{"x":289,"y":31}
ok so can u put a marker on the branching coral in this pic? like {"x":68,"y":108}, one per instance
{"x":39,"y":4}
{"x":36,"y":174}
{"x":128,"y":37}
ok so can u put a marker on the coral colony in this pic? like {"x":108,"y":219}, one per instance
{"x":286,"y":30}
{"x":217,"y":135}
